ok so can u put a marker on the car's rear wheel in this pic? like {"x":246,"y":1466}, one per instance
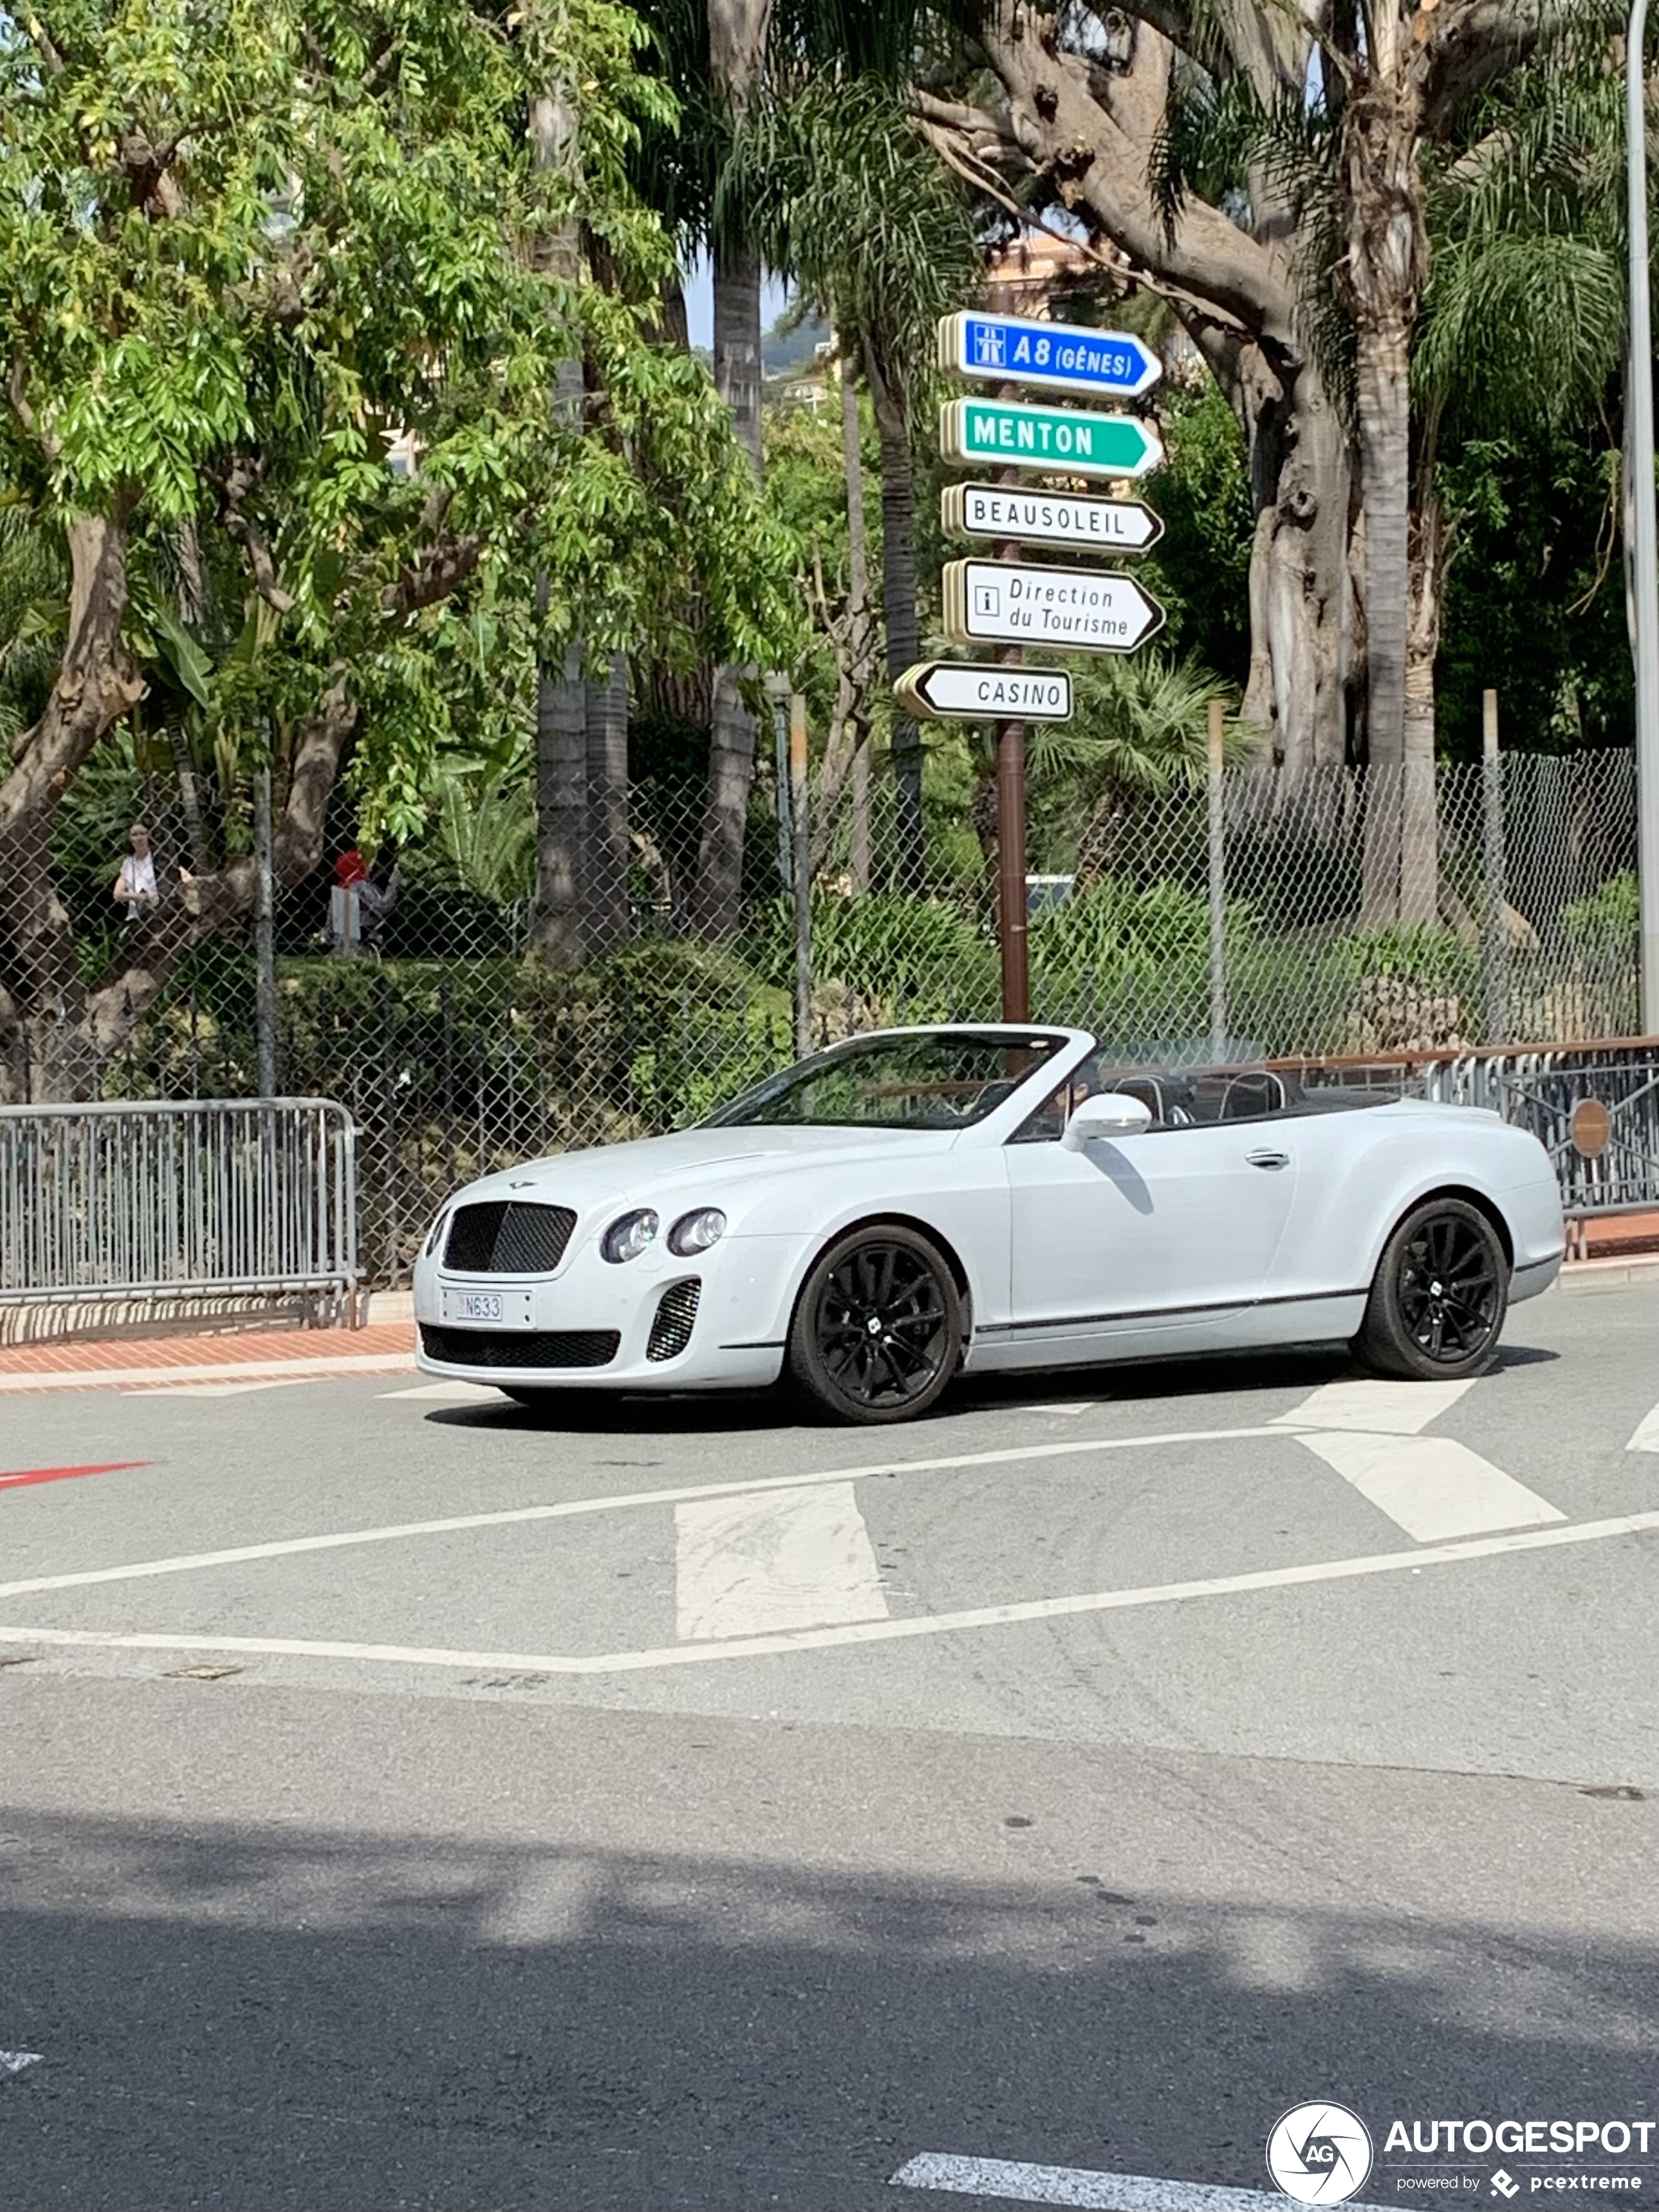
{"x":1439,"y":1295}
{"x":876,"y":1335}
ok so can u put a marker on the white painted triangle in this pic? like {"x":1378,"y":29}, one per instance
{"x":1434,"y":1487}
{"x":1647,"y":1433}
{"x":1375,"y":1408}
{"x":13,"y":2062}
{"x":749,"y":1565}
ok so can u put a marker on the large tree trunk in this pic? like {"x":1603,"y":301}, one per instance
{"x":1420,"y":896}
{"x":558,"y":930}
{"x":1301,"y":616}
{"x":1384,"y":272}
{"x":737,"y":46}
{"x":557,"y":934}
{"x":718,"y":902}
{"x":42,"y":998}
{"x":1384,"y":406}
{"x":898,"y":602}
{"x":608,"y":913}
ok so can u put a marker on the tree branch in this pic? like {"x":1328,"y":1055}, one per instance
{"x":442,"y":569}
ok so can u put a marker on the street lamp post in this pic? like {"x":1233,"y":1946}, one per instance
{"x":1644,"y":526}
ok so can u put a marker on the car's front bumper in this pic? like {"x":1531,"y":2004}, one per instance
{"x":735,"y":1341}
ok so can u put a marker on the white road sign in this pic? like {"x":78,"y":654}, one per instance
{"x":943,"y":692}
{"x":1005,"y":603}
{"x":1044,"y":518}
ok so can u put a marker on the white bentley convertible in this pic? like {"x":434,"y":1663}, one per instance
{"x":918,"y":1203}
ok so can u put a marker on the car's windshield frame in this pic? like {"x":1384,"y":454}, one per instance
{"x":1042,"y":1048}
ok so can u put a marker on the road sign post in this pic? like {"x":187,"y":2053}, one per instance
{"x":1058,"y":441}
{"x":1043,"y":518}
{"x":1011,"y":602}
{"x":1008,"y":604}
{"x":936,"y":691}
{"x":1058,"y":356}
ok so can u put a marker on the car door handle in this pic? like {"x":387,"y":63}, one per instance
{"x":1269,"y":1159}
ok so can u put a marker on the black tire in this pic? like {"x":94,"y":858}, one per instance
{"x":892,"y":1277}
{"x":1439,"y":1295}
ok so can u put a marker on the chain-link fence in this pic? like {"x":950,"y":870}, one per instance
{"x":1340,"y":916}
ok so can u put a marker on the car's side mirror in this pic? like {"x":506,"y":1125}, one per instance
{"x":1109,"y":1114}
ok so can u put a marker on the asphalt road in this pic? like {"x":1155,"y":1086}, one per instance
{"x":728,"y":1813}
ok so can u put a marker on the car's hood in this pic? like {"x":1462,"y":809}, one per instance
{"x":698,"y":1160}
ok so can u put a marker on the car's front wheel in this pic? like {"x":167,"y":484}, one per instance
{"x":1439,"y":1295}
{"x":876,"y":1335}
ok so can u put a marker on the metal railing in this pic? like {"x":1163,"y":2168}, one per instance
{"x":1594,"y":1107}
{"x":178,"y":1199}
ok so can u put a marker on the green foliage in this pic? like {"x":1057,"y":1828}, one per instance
{"x":487,"y":833}
{"x":1535,"y":602}
{"x":1120,"y":958}
{"x":1200,"y":571}
{"x":242,"y":251}
{"x":1424,"y":956}
{"x":914,"y":959}
{"x":1608,"y":924}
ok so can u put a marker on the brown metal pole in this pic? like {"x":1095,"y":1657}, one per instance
{"x":1011,"y":803}
{"x":1011,"y":861}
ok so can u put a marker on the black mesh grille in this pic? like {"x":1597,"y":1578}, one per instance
{"x":505,"y":1238}
{"x":520,"y":1347}
{"x":670,"y":1331}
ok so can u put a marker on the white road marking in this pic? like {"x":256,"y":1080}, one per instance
{"x":1398,"y":1409}
{"x":866,"y":1632}
{"x":212,"y":1389}
{"x":448,"y":1390}
{"x":1076,"y":2184}
{"x":1647,"y":1433}
{"x":746,"y":1566}
{"x":1434,"y":1487}
{"x":13,"y":2062}
{"x":187,"y":1563}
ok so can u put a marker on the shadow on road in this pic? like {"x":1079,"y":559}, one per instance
{"x":232,"y":2017}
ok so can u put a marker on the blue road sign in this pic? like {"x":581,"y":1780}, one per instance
{"x":1059,"y":357}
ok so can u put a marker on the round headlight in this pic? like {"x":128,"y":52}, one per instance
{"x":695,"y":1232}
{"x":627,"y":1238}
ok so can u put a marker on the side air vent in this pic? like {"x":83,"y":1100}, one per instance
{"x":505,"y":1238}
{"x":521,"y":1348}
{"x":670,"y":1331}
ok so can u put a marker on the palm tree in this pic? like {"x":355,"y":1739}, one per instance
{"x":850,"y":202}
{"x":1141,"y":728}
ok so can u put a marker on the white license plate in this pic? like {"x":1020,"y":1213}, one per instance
{"x":488,"y":1309}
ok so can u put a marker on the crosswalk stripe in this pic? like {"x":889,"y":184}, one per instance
{"x":1023,"y":2183}
{"x":1434,"y":1487}
{"x":791,"y":1559}
{"x":1647,"y":1433}
{"x":1378,"y":1408}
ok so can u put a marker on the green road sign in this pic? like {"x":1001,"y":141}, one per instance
{"x":1057,"y":440}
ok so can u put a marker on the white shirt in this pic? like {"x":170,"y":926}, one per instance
{"x":138,"y":876}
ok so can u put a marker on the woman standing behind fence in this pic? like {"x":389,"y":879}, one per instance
{"x":135,"y":879}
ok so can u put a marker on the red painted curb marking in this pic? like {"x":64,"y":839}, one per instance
{"x":65,"y":1473}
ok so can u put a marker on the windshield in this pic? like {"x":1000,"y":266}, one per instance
{"x":937,"y":1079}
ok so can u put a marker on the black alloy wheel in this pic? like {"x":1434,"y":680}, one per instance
{"x":1439,"y":1297}
{"x":877,"y":1330}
